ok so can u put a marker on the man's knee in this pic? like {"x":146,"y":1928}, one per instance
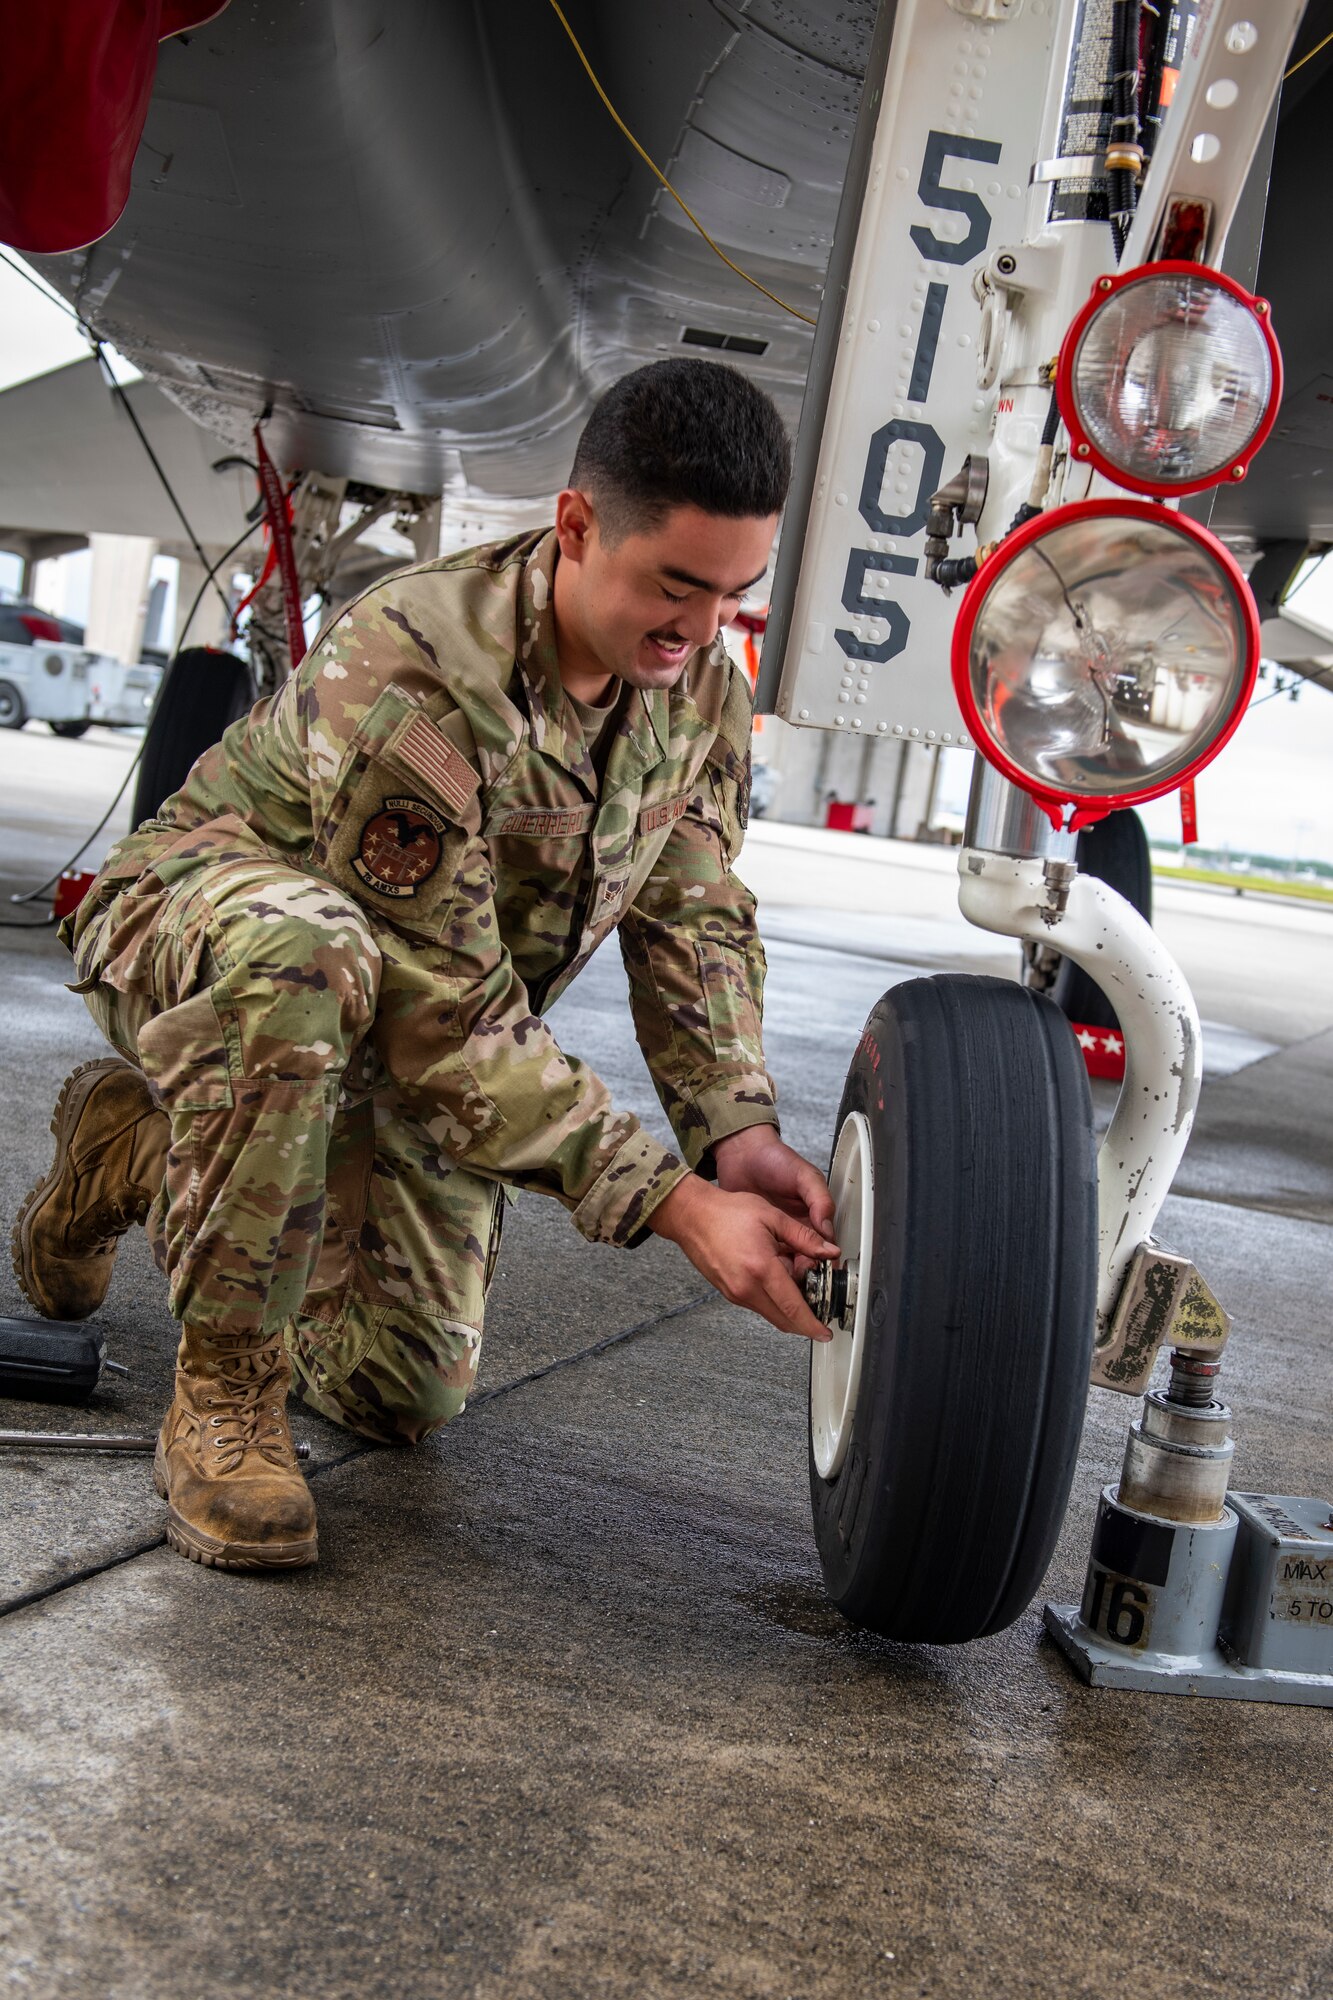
{"x":395,"y":1376}
{"x":300,"y":975}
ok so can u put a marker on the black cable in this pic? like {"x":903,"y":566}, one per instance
{"x":1125,"y":15}
{"x":1075,"y":611}
{"x":950,"y":571}
{"x":32,"y":894}
{"x":210,"y":574}
{"x":95,"y":343}
{"x":156,"y":464}
{"x":1150,"y":116}
{"x":1294,"y":686}
{"x":52,"y":298}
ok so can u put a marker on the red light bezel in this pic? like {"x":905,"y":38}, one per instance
{"x":1086,"y":451}
{"x":1052,"y":802}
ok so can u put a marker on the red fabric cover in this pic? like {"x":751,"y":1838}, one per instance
{"x":74,"y":90}
{"x":845,"y":816}
{"x":1103,"y":1050}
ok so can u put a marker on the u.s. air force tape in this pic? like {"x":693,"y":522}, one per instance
{"x":652,"y":818}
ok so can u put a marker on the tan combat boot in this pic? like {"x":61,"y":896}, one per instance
{"x":224,"y":1464}
{"x":111,"y":1149}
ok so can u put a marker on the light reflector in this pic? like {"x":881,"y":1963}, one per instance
{"x":1104,"y":654}
{"x":1169,"y":379}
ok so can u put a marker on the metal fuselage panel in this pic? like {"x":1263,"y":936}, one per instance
{"x":413,"y":230}
{"x":410,"y":228}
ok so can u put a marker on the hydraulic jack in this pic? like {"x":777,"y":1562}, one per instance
{"x":1192,"y":1589}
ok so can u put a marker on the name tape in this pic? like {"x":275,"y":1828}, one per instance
{"x":547,"y":825}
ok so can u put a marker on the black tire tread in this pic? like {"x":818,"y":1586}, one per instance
{"x":956,"y":1484}
{"x":20,"y":711}
{"x":202,"y":692}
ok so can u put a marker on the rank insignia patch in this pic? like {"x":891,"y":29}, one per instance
{"x":399,"y":847}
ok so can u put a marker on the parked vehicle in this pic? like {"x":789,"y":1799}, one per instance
{"x":45,"y":683}
{"x":43,"y":669}
{"x":122,"y":697}
{"x":24,"y":624}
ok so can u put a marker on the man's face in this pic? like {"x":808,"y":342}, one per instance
{"x":641,"y":606}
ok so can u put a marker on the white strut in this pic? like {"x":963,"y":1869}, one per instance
{"x":1107,"y":938}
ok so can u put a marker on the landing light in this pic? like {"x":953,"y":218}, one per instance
{"x":1169,"y":379}
{"x":1104,"y":654}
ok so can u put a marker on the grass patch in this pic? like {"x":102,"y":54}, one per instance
{"x":1251,"y":885}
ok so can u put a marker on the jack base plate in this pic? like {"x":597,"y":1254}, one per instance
{"x":1210,"y":1673}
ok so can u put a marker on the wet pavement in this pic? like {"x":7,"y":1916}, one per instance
{"x":563,"y":1709}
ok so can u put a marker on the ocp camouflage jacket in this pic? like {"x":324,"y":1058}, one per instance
{"x":424,"y":759}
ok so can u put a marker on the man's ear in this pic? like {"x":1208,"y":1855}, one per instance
{"x":575,"y":518}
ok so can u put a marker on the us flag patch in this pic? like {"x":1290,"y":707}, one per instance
{"x":430,"y":756}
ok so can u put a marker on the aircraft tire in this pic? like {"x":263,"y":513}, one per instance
{"x":202,"y":692}
{"x":13,"y":712}
{"x":79,"y":728}
{"x":979,"y":1291}
{"x":1115,"y":850}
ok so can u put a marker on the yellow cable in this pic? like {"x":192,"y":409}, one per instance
{"x":1308,"y":58}
{"x":715,"y":248}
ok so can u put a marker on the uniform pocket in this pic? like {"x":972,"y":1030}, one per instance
{"x":183,"y":1052}
{"x":728,"y":1001}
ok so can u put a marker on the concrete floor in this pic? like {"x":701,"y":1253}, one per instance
{"x":563,"y":1710}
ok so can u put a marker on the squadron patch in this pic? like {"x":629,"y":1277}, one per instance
{"x":400,"y":847}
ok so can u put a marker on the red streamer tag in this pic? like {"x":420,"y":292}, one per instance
{"x":1189,"y":818}
{"x":280,"y":527}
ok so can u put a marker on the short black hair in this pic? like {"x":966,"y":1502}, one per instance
{"x":682,"y":433}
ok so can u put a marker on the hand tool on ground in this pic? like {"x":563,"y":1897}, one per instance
{"x":91,"y":1441}
{"x":52,"y":1361}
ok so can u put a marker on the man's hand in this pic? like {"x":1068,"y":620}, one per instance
{"x":745,"y":1246}
{"x":756,"y":1161}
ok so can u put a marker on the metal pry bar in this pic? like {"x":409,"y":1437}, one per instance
{"x":90,"y":1441}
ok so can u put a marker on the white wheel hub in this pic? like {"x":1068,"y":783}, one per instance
{"x":835,"y":1365}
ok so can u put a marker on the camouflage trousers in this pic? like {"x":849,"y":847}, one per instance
{"x":301,"y":1197}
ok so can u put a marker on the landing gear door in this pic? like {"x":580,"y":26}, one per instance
{"x":857,"y":638}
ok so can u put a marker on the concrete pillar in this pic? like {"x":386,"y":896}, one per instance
{"x":210,"y":625}
{"x":914,"y":787}
{"x":118,"y":594}
{"x":425,"y":532}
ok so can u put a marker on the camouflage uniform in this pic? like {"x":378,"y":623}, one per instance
{"x":331,"y":951}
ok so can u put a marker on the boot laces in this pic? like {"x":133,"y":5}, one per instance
{"x":246,"y":1417}
{"x":105,"y":1224}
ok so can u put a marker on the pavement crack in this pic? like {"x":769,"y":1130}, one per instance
{"x":597,"y":1347}
{"x":62,"y":1583}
